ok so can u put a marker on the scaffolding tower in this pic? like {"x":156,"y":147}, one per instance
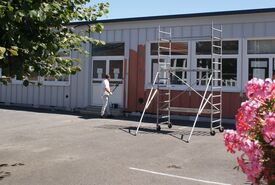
{"x":161,"y":88}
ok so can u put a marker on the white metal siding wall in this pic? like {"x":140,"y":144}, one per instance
{"x":133,"y":34}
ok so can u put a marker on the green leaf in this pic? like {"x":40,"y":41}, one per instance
{"x":2,"y":52}
{"x":34,"y":32}
{"x":33,"y":13}
{"x":13,"y":51}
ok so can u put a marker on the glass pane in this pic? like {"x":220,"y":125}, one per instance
{"x":49,"y":78}
{"x":179,"y":63}
{"x":228,"y":47}
{"x":203,"y":74}
{"x":116,"y":69}
{"x":258,"y":68}
{"x":109,"y":49}
{"x":33,"y":76}
{"x":154,"y":69}
{"x":99,"y":69}
{"x":229,"y":71}
{"x":177,"y":48}
{"x":261,"y":46}
{"x":63,"y":78}
{"x":203,"y":48}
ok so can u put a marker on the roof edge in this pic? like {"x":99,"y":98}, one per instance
{"x":203,"y":14}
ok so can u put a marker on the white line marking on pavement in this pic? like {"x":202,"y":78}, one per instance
{"x":176,"y":176}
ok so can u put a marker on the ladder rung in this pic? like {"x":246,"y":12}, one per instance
{"x":166,"y":40}
{"x":216,"y":112}
{"x":160,"y":55}
{"x":216,"y":46}
{"x":217,"y":54}
{"x":163,"y":94}
{"x":217,"y":120}
{"x":217,"y":63}
{"x":161,"y":47}
{"x":166,"y":101}
{"x":164,"y":32}
{"x":216,"y":79}
{"x":217,"y":96}
{"x":216,"y":29}
{"x":217,"y":104}
{"x":217,"y":38}
{"x":165,"y":116}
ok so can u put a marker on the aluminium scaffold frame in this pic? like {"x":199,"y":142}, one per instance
{"x":161,"y":86}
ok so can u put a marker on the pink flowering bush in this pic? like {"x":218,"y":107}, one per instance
{"x":255,"y":132}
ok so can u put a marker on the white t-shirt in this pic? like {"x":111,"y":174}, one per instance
{"x":105,"y":84}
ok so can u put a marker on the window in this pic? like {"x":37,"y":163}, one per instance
{"x":180,"y":74}
{"x":99,"y":69}
{"x":109,"y":49}
{"x":228,"y":47}
{"x":33,"y":77}
{"x":258,"y":68}
{"x":177,"y":48}
{"x":230,"y":54}
{"x":261,"y":47}
{"x":116,"y":69}
{"x":203,"y":74}
{"x":179,"y":52}
{"x":260,"y":58}
{"x":62,"y":80}
{"x":229,"y":71}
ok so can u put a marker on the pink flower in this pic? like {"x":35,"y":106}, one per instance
{"x":255,"y":126}
{"x":246,"y":115}
{"x":254,"y":88}
{"x":268,"y":129}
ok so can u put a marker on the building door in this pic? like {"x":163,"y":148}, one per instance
{"x":114,"y":67}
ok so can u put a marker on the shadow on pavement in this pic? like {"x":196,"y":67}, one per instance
{"x":129,"y":118}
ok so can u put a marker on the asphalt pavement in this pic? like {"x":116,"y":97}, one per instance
{"x":56,"y":148}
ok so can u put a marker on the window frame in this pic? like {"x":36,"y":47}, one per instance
{"x":247,"y":56}
{"x":42,"y":80}
{"x":108,"y":59}
{"x":124,"y":49}
{"x":238,"y":56}
{"x":56,"y":82}
{"x":148,"y":66}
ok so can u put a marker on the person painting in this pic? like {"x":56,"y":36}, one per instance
{"x":106,"y":92}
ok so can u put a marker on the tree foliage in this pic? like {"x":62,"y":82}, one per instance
{"x":32,"y":33}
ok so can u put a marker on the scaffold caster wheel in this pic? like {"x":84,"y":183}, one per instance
{"x":169,"y":125}
{"x":221,"y":129}
{"x":212,"y":133}
{"x":158,"y":128}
